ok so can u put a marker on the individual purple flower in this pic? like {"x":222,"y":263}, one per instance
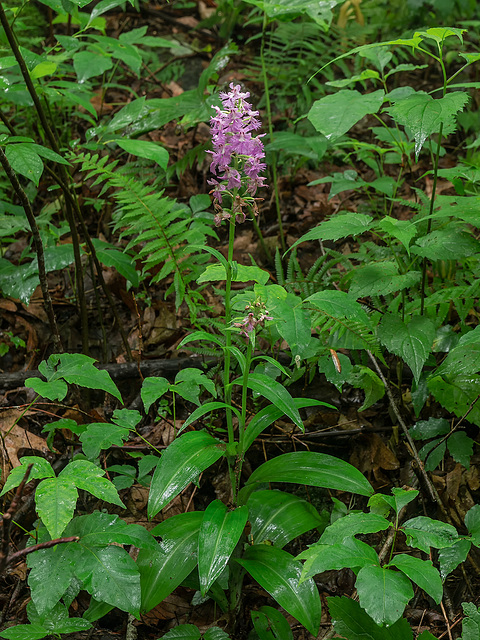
{"x":237,"y":154}
{"x":256,"y":316}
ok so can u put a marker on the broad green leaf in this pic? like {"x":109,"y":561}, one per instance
{"x":339,"y":226}
{"x":152,"y":390}
{"x":450,"y":557}
{"x":351,"y":554}
{"x":423,"y":533}
{"x":89,"y":64}
{"x":413,"y":342}
{"x":460,"y":447}
{"x":240,"y":273}
{"x":421,"y":572}
{"x":96,"y":610}
{"x":25,"y":632}
{"x":295,"y":328}
{"x":352,"y":622}
{"x":112,"y":257}
{"x":279,"y":517}
{"x":188,"y":382}
{"x":381,"y":279}
{"x":440,"y":33}
{"x":45,"y":152}
{"x":215,"y":633}
{"x":457,"y":394}
{"x":383,"y":593}
{"x":327,"y":366}
{"x":25,"y":161}
{"x":362,"y":377}
{"x":161,"y":571}
{"x":472,"y":522}
{"x":181,"y":463}
{"x":338,"y":304}
{"x":278,"y":573}
{"x":446,"y":244}
{"x":101,"y":435}
{"x":76,"y":368}
{"x":56,"y":564}
{"x":432,"y":453}
{"x":464,"y":359}
{"x":425,"y":429}
{"x":101,"y":529}
{"x":87,"y":476}
{"x":41,"y":469}
{"x":423,"y":115}
{"x":336,"y":114}
{"x":145,"y":149}
{"x":219,"y":534}
{"x":402,"y":230}
{"x":341,"y":181}
{"x":110,"y":574}
{"x":270,"y":624}
{"x":267,"y":416}
{"x":128,"y":114}
{"x":55,"y":499}
{"x":305,"y":467}
{"x":183,"y":632}
{"x":274,"y":391}
{"x":353,"y":524}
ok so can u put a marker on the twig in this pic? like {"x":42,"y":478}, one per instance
{"x":18,"y":555}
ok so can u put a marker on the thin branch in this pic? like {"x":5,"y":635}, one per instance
{"x":18,"y":555}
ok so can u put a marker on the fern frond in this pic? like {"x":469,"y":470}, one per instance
{"x":345,"y":333}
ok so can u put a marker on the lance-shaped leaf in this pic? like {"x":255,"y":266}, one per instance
{"x":280,"y":517}
{"x":270,"y":624}
{"x":162,"y":570}
{"x":336,"y":114}
{"x":183,"y":461}
{"x":219,"y":534}
{"x":422,"y":572}
{"x":383,"y":593}
{"x":279,"y":573}
{"x":305,"y":467}
{"x":276,"y":393}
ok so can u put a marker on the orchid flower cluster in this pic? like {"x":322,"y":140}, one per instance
{"x":256,"y":316}
{"x":237,"y":155}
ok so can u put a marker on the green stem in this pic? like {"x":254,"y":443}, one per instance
{"x":273,"y":163}
{"x":243,"y":422}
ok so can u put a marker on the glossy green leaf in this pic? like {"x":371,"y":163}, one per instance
{"x":383,"y":593}
{"x":76,"y":368}
{"x":25,"y":632}
{"x":279,"y":573}
{"x":99,"y":528}
{"x":446,"y":244}
{"x":349,"y":554}
{"x":110,"y":575}
{"x":55,"y":499}
{"x":181,"y":463}
{"x":413,"y":342}
{"x":183,"y":632}
{"x":461,"y":448}
{"x":362,"y":377}
{"x":219,"y":534}
{"x":353,"y":524}
{"x":276,"y":393}
{"x":240,"y":273}
{"x":421,"y":572}
{"x":99,"y":436}
{"x":305,"y":467}
{"x":89,"y":64}
{"x":55,"y":564}
{"x":145,"y":149}
{"x":87,"y":476}
{"x":472,"y":522}
{"x":425,"y":429}
{"x":423,"y":533}
{"x":215,"y":633}
{"x":162,"y":570}
{"x":152,"y":390}
{"x":280,"y":517}
{"x":122,"y":262}
{"x":41,"y":469}
{"x":352,"y":622}
{"x":25,"y":161}
{"x":457,"y":394}
{"x":270,"y":624}
{"x":336,"y":114}
{"x":267,"y":416}
{"x":450,"y":557}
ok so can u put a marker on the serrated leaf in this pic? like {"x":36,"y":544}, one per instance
{"x":55,"y":499}
{"x":341,"y":225}
{"x":336,"y":114}
{"x":423,"y":533}
{"x":421,"y":572}
{"x":181,"y":463}
{"x":219,"y":534}
{"x":351,"y":621}
{"x":402,"y":230}
{"x":381,"y":278}
{"x":305,"y":467}
{"x":110,"y":575}
{"x":280,"y":517}
{"x":240,"y":273}
{"x":162,"y":570}
{"x":423,"y":115}
{"x":457,"y":394}
{"x":383,"y":593}
{"x":413,"y":342}
{"x":350,"y":553}
{"x":446,"y":244}
{"x":460,"y":447}
{"x":278,"y":573}
{"x":362,"y":377}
